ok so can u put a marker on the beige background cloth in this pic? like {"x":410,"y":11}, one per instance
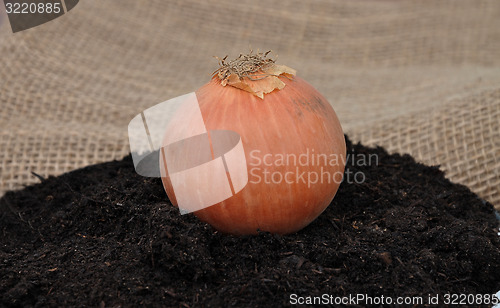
{"x":418,"y":77}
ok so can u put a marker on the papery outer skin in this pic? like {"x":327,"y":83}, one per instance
{"x":260,"y":85}
{"x":293,"y":120}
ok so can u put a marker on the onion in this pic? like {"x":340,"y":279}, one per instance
{"x":293,"y":144}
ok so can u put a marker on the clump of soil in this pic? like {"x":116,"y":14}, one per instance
{"x":105,"y":236}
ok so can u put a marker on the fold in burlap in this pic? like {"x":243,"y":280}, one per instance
{"x":418,"y":77}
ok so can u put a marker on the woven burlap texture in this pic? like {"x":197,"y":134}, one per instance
{"x":417,"y":77}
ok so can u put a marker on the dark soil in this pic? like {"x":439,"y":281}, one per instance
{"x":105,"y":236}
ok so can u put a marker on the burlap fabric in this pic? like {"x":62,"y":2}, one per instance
{"x":418,"y":77}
